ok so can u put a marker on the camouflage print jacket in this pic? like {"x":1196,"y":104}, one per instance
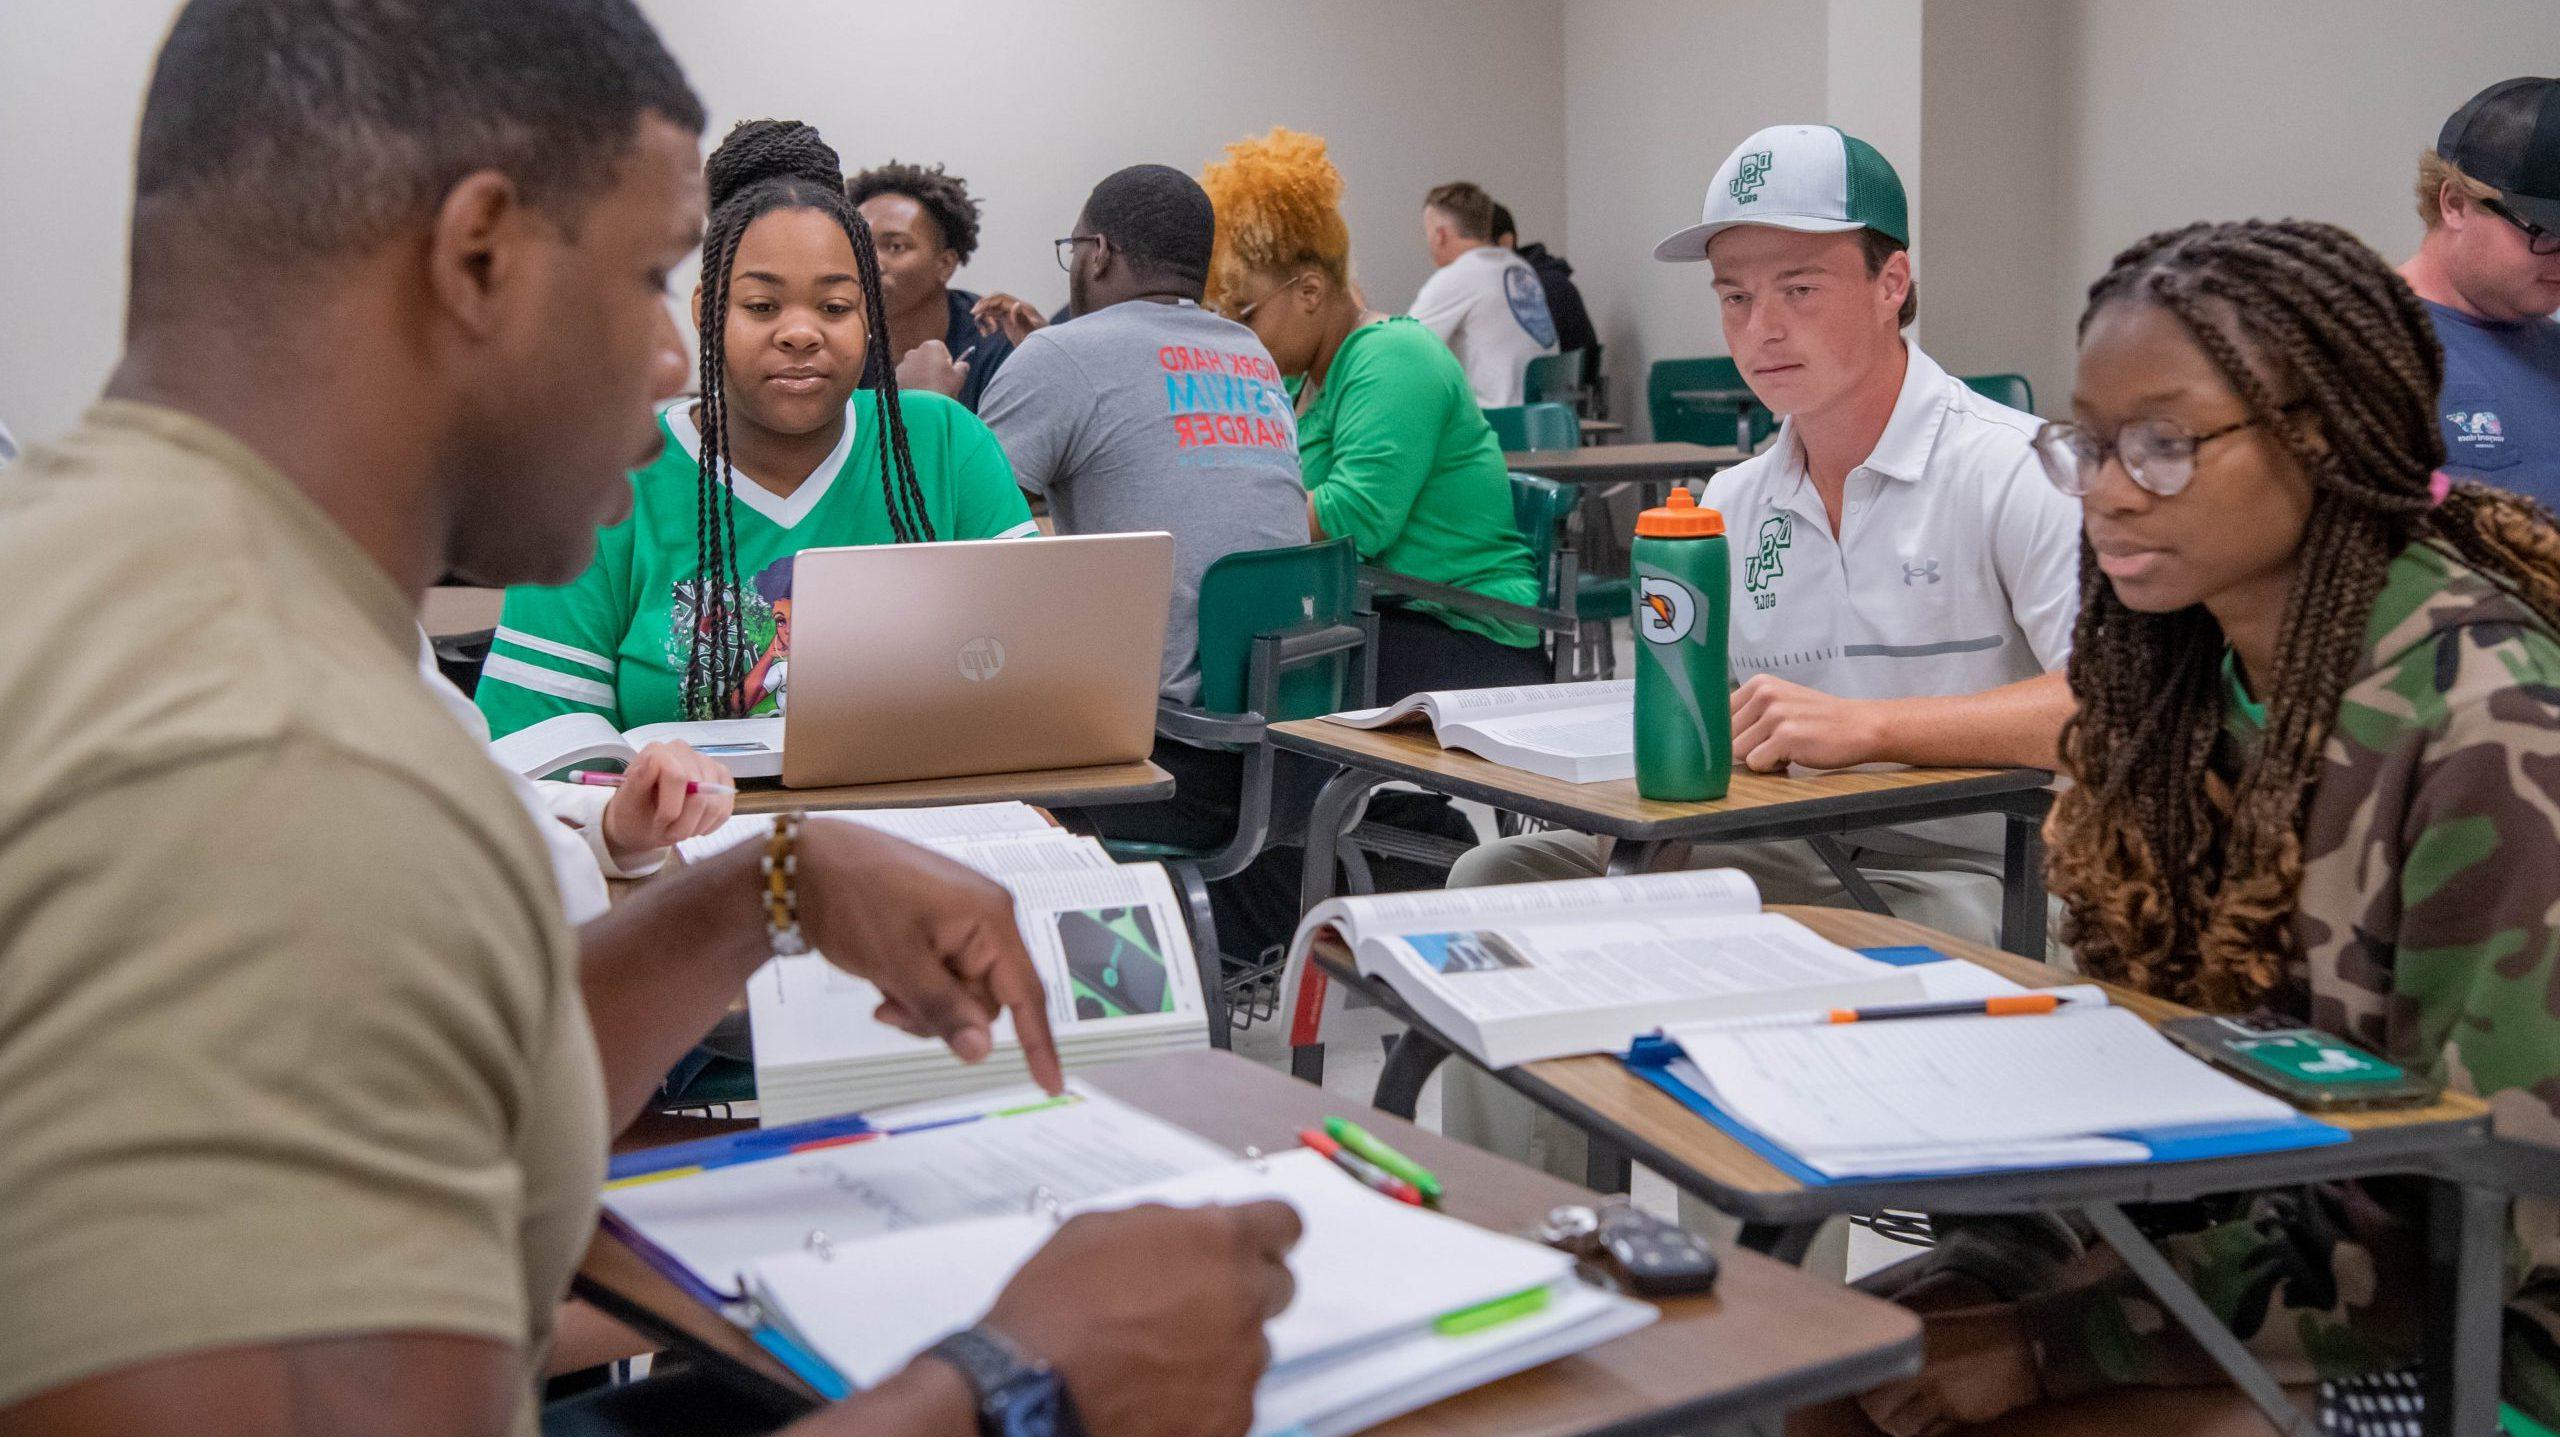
{"x":2429,"y":917}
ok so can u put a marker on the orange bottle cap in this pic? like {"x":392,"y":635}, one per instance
{"x":1680,"y":519}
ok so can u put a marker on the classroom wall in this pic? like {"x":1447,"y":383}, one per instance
{"x":1656,"y":93}
{"x":1030,"y":100}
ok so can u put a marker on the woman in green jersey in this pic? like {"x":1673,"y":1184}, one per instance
{"x":685,"y":613}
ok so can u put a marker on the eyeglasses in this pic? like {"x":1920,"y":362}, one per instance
{"x":1242,"y":313}
{"x":1066,"y":248}
{"x":2536,"y":239}
{"x":2158,"y":454}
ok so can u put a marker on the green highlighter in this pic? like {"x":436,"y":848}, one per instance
{"x":1351,"y":1135}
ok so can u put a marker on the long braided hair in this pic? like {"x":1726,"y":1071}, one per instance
{"x":760,"y":167}
{"x":2175,"y":882}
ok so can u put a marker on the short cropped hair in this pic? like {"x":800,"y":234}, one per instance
{"x":1503,"y":224}
{"x":2434,"y":172}
{"x":944,"y":196}
{"x":1159,"y":218}
{"x":1469,"y":208}
{"x":1880,"y":247}
{"x":294,"y":130}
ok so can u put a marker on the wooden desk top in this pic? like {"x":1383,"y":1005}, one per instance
{"x":1601,"y":426}
{"x":1139,"y":782}
{"x":1758,"y":805}
{"x":1768,"y":1339}
{"x":1599,"y":1092}
{"x":1611,"y":463}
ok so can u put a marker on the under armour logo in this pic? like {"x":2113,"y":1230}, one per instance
{"x":1746,"y":184}
{"x":1915,"y":573}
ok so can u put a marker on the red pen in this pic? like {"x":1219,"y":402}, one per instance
{"x":593,"y":779}
{"x":1369,"y":1174}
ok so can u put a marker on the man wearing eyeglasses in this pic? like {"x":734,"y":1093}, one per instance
{"x":1150,"y":412}
{"x":2489,"y":272}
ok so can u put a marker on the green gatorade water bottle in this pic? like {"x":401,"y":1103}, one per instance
{"x":1684,"y":720}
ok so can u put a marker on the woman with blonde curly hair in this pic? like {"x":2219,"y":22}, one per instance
{"x":1395,"y":453}
{"x":2318,"y":764}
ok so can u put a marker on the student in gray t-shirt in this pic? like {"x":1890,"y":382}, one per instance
{"x":1148,"y":412}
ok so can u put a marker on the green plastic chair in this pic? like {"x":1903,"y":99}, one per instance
{"x":1520,"y":427}
{"x":1283,"y":635}
{"x":2010,"y":389}
{"x":1742,"y":421}
{"x":1558,"y":378}
{"x":1544,"y":510}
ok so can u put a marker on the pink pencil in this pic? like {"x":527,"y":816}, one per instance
{"x":614,"y":780}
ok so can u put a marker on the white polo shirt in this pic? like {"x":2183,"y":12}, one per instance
{"x":1489,"y":307}
{"x":1957,"y":568}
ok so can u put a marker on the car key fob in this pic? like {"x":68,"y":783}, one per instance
{"x":1657,"y":1258}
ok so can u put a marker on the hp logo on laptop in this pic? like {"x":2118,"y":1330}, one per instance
{"x":981,"y":660}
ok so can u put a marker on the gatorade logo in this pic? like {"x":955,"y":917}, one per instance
{"x":981,"y":660}
{"x":1745,"y":188}
{"x":1666,"y":609}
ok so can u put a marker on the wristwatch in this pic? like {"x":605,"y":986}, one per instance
{"x":1018,"y":1395}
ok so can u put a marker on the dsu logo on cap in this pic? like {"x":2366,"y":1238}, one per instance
{"x":1810,"y":178}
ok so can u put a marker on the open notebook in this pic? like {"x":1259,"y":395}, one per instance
{"x":1581,"y":733}
{"x":1543,"y":970}
{"x":1109,"y":939}
{"x":2089,"y":1084}
{"x":748,"y":748}
{"x":861,"y":1250}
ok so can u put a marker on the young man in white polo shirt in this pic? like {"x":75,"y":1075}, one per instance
{"x":1484,"y":302}
{"x":1905,"y":580}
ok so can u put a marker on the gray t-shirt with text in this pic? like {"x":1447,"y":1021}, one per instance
{"x":1148,"y":416}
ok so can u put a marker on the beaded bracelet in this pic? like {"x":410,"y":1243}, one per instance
{"x":781,"y":892}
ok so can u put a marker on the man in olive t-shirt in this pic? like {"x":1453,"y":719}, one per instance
{"x":304,"y":1082}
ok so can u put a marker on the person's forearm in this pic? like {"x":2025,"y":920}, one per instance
{"x":664,"y":964}
{"x":2014,"y":726}
{"x":1315,"y":523}
{"x":926,"y":1399}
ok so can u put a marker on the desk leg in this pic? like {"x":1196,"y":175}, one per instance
{"x":1410,"y":1064}
{"x":2465,"y":1250}
{"x":1852,"y":881}
{"x":2022,"y":901}
{"x":2216,"y":1339}
{"x":1605,"y":1168}
{"x":1327,"y":825}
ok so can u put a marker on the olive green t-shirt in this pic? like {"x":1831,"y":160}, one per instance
{"x":291,"y":1041}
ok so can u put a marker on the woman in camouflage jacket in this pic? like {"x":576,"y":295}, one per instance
{"x":2318,"y":772}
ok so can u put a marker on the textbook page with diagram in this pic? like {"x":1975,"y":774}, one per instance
{"x":1108,"y":939}
{"x":1580,"y":733}
{"x":1530,"y":971}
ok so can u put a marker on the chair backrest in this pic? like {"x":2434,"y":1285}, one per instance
{"x":1534,"y":426}
{"x":1540,"y":507}
{"x":1689,"y":421}
{"x":2010,"y":389}
{"x":1557,"y":378}
{"x":1264,"y":590}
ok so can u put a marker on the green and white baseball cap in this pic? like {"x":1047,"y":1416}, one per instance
{"x":1811,"y":178}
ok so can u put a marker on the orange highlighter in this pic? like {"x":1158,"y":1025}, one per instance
{"x":2001,"y":1007}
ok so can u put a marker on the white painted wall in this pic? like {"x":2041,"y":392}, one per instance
{"x":1657,"y":92}
{"x":1032,"y":101}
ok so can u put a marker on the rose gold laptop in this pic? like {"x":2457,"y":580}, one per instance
{"x":985,"y":656}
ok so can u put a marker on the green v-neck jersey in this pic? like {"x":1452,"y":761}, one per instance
{"x":613,"y":641}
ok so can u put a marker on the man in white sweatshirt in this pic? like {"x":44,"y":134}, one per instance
{"x":1483,"y":301}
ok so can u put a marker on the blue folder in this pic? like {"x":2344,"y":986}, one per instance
{"x":1651,"y":1060}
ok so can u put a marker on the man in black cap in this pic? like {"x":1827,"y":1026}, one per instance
{"x":2489,"y":272}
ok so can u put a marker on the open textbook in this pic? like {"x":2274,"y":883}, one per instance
{"x":1581,"y":733}
{"x":1542,"y":970}
{"x":749,"y":748}
{"x":1108,"y":939}
{"x":866,"y":1248}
